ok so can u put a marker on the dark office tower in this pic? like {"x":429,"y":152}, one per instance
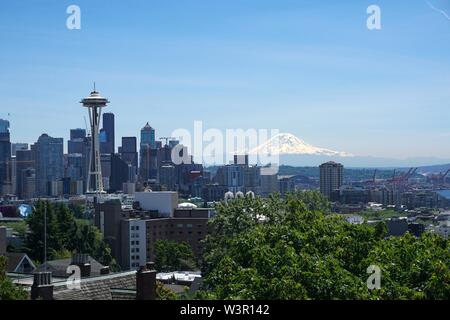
{"x":128,"y":152}
{"x":107,"y":136}
{"x":75,"y":166}
{"x":119,"y":173}
{"x":5,"y":157}
{"x":18,"y":146}
{"x":76,"y":142}
{"x":148,"y":154}
{"x":167,"y":177}
{"x":331,"y":177}
{"x":86,"y":160}
{"x":49,"y":159}
{"x":148,"y":169}
{"x":164,"y":155}
{"x":24,"y":163}
{"x":77,"y":134}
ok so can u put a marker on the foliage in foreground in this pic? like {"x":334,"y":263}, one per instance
{"x":288,"y":249}
{"x":65,"y":235}
{"x":173,"y":256}
{"x":8,"y":290}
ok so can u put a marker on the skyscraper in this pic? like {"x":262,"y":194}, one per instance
{"x":119,"y":173}
{"x":77,"y":134}
{"x":18,"y":146}
{"x":49,"y":160}
{"x":76,"y":142}
{"x":331,"y":177}
{"x":128,"y":152}
{"x":148,"y":136}
{"x":107,"y":136}
{"x":148,"y":154}
{"x":5,"y":157}
{"x":24,"y":165}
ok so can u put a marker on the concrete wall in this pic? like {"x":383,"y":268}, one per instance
{"x":164,"y":202}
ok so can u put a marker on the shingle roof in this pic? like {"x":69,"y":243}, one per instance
{"x":59,"y":267}
{"x":13,"y":260}
{"x":98,"y":288}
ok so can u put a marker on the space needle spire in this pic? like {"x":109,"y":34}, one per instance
{"x":95,"y":103}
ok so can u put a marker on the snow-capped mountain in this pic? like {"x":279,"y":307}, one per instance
{"x":288,"y":144}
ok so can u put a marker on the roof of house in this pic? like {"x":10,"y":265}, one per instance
{"x":14,"y":260}
{"x":107,"y":287}
{"x":59,"y":267}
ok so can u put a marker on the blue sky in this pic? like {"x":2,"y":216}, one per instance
{"x":310,"y":68}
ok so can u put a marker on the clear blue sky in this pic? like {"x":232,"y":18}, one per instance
{"x":310,"y":68}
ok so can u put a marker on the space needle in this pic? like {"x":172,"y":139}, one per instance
{"x":95,"y":103}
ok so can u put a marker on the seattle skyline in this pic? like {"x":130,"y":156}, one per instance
{"x":242,"y":65}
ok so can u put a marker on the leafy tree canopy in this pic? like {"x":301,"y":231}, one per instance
{"x":293,"y":249}
{"x":65,"y":235}
{"x":8,"y":290}
{"x":173,"y":256}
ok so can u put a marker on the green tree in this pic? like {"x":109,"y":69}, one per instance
{"x":293,"y":248}
{"x":8,"y":290}
{"x":172,"y":256}
{"x":65,"y":235}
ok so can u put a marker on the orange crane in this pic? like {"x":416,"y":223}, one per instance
{"x":438,"y":178}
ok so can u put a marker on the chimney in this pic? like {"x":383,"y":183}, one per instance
{"x":104,"y":270}
{"x":82,"y":261}
{"x":146,"y":282}
{"x":42,"y":287}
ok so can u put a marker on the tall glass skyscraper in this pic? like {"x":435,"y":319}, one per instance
{"x":147,"y":153}
{"x":148,"y":136}
{"x":5,"y":157}
{"x":49,"y":160}
{"x":128,"y":152}
{"x":107,"y":136}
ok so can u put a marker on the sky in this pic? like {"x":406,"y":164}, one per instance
{"x":310,"y":68}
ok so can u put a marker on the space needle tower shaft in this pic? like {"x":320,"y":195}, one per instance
{"x":95,"y":103}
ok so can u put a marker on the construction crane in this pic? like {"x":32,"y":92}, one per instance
{"x":438,"y":178}
{"x":403,"y":178}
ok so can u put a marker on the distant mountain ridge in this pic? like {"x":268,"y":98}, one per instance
{"x":287,"y":143}
{"x":294,"y":151}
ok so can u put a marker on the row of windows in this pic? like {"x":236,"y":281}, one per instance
{"x":135,"y":257}
{"x":134,"y":243}
{"x":135,"y":228}
{"x":179,"y":225}
{"x":171,"y":232}
{"x":134,"y":249}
